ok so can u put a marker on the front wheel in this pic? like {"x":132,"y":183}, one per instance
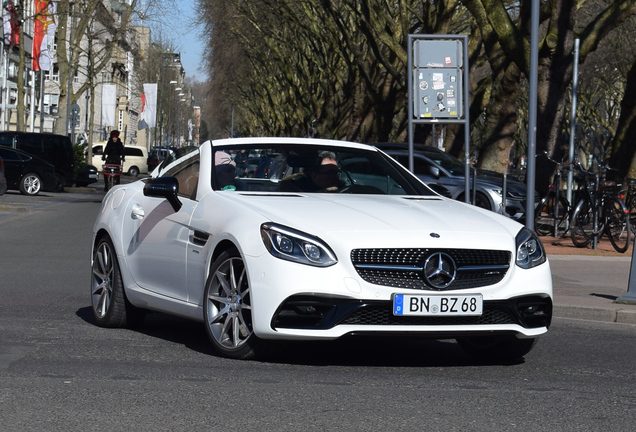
{"x":30,"y":184}
{"x":228,"y":307}
{"x":133,"y":171}
{"x":617,"y":224}
{"x":582,"y":224}
{"x":496,"y":348}
{"x":110,"y":305}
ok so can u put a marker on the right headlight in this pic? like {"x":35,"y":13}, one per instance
{"x":530,"y":252}
{"x":296,"y":246}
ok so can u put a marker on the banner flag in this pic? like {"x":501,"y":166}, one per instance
{"x":109,"y":104}
{"x":10,"y":25}
{"x":148,"y":116}
{"x":43,"y":34}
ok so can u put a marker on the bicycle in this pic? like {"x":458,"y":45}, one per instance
{"x":629,"y":198}
{"x":112,"y":172}
{"x":600,"y":211}
{"x":553,"y":212}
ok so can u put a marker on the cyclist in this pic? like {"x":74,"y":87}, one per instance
{"x":114,"y":152}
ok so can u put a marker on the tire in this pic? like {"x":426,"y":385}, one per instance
{"x":496,"y":348}
{"x":582,"y":224}
{"x":133,"y":171}
{"x":617,"y":225}
{"x":228,"y":308}
{"x":108,"y":299}
{"x":631,"y":206}
{"x":60,"y":181}
{"x":545,"y":214}
{"x":30,"y":184}
{"x":481,"y":201}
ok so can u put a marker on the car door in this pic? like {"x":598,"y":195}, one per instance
{"x":159,"y":236}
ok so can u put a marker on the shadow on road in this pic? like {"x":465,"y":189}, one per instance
{"x":380,"y":351}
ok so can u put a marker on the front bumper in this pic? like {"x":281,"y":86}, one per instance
{"x":297,"y":302}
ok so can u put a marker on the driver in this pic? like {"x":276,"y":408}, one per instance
{"x":323,"y":177}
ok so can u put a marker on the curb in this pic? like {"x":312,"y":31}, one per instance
{"x":619,"y":315}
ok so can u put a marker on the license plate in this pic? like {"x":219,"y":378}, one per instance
{"x":95,"y":176}
{"x":440,"y":305}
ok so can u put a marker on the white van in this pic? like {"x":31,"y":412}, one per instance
{"x":136,"y":158}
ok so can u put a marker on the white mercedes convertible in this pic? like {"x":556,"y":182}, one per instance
{"x":267,"y":239}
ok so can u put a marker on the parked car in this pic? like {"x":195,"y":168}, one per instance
{"x":89,"y":174}
{"x":3,"y":180}
{"x":55,"y":149}
{"x":338,"y":239}
{"x":156,"y":156}
{"x":434,"y":166}
{"x":136,"y":159}
{"x":27,"y":173}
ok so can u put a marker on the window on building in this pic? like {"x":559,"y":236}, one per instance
{"x":54,"y":73}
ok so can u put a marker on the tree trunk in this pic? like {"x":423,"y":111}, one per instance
{"x":623,"y":155}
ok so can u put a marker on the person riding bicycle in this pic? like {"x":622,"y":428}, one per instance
{"x":114,"y":151}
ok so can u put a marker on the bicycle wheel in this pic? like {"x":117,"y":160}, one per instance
{"x":631,"y":206}
{"x":617,"y":224}
{"x":582,"y":225}
{"x":545,"y":216}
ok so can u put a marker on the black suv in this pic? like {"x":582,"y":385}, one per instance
{"x":55,"y":149}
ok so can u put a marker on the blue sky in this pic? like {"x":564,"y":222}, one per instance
{"x":189,"y":42}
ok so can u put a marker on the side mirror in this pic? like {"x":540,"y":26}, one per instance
{"x":433,"y":171}
{"x":164,"y":187}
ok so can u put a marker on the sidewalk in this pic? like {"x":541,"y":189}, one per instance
{"x":587,"y":282}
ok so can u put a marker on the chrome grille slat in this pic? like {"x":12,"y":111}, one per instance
{"x":402,"y":268}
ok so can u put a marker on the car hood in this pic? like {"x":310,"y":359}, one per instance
{"x":409,"y":221}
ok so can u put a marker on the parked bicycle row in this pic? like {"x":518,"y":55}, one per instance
{"x":599,"y":207}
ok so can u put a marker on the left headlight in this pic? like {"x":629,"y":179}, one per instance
{"x":291,"y":245}
{"x":530,"y":252}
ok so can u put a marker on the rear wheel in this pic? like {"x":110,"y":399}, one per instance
{"x":617,"y":224}
{"x":60,"y":181}
{"x":496,"y":348}
{"x":546,"y":214}
{"x":30,"y":184}
{"x":133,"y":171}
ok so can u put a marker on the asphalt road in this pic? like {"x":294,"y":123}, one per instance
{"x":59,"y":372}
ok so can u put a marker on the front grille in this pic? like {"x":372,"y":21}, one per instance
{"x":404,"y":268}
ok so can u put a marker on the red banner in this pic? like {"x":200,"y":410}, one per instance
{"x":43,"y":34}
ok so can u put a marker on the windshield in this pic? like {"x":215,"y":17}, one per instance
{"x":311,"y":169}
{"x":454,"y":166}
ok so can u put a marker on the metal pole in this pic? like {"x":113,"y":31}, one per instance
{"x":41,"y":101}
{"x":5,"y":90}
{"x":69,"y":77}
{"x":532,"y":117}
{"x":575,"y":82}
{"x":32,"y":110}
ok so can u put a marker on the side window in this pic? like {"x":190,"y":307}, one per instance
{"x":98,"y":150}
{"x":8,"y":155}
{"x":133,"y":152}
{"x":31,"y":144}
{"x":6,"y":140}
{"x":187,"y":173}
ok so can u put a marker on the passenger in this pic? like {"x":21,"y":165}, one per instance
{"x":225,"y":171}
{"x":323,"y":177}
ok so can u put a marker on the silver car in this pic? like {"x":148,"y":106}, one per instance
{"x":436,"y":167}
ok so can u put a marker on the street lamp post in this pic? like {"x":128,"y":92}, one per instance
{"x":169,"y":114}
